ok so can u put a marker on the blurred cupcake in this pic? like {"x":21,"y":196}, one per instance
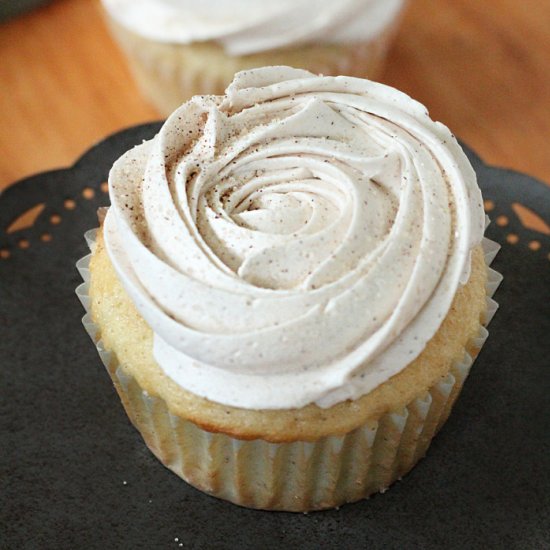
{"x":290,"y":286}
{"x":181,"y":48}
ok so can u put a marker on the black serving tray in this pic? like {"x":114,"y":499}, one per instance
{"x":74,"y":473}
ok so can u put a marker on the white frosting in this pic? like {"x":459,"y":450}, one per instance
{"x":299,"y":240}
{"x":250,"y":26}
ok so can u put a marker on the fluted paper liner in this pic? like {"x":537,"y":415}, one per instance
{"x":169,"y":74}
{"x":295,"y":476}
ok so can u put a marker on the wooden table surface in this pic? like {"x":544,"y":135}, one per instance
{"x":482,"y":68}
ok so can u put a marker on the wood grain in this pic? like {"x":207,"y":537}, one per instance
{"x":480,"y":67}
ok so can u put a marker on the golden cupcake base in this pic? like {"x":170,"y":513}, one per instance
{"x":297,"y":475}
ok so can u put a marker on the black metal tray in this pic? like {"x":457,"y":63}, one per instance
{"x":75,"y":474}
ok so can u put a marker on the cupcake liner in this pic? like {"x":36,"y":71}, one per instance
{"x":165,"y":78}
{"x":300,"y":475}
{"x":169,"y":74}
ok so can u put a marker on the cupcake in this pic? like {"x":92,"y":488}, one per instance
{"x":289,"y":287}
{"x":180,"y":49}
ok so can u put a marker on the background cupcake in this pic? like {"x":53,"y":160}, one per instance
{"x":178,"y":49}
{"x":291,"y":282}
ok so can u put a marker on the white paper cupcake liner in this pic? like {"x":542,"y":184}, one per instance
{"x":295,"y":476}
{"x":168,"y":74}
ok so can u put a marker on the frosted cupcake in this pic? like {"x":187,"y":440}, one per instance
{"x":289,"y":287}
{"x":178,"y":49}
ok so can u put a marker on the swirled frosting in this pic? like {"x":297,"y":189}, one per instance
{"x":249,"y":26}
{"x":297,"y":240}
